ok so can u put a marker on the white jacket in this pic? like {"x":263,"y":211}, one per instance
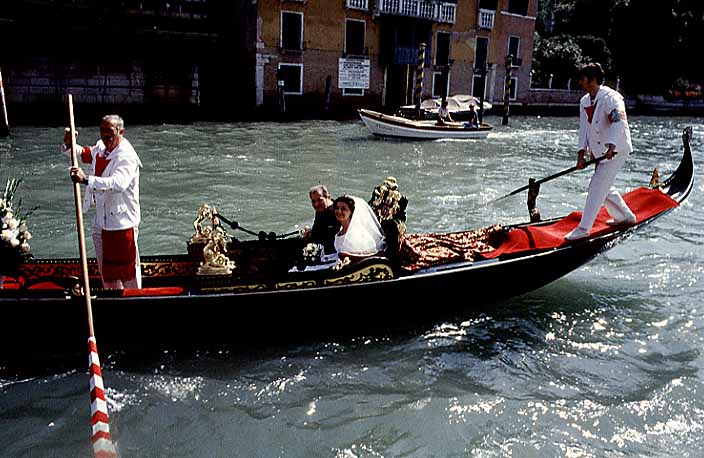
{"x":116,"y":194}
{"x":602,"y":130}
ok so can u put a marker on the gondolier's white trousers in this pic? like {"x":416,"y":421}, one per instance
{"x":602,"y":191}
{"x":136,"y":281}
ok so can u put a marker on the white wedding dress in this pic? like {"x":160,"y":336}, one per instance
{"x":364,"y":236}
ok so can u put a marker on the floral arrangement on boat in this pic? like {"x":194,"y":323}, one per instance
{"x":14,"y":236}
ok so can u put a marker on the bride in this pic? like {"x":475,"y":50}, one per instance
{"x":360,"y":233}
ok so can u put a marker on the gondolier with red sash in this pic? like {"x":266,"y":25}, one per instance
{"x":113,"y":187}
{"x":603,"y":131}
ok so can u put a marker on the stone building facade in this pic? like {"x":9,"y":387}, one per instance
{"x":235,"y":59}
{"x":352,"y":53}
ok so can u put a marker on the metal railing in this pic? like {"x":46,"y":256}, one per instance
{"x":424,"y":9}
{"x":486,"y":19}
{"x":358,"y":4}
{"x":174,"y":8}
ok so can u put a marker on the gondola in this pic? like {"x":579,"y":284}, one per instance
{"x":396,"y":126}
{"x":271,"y":290}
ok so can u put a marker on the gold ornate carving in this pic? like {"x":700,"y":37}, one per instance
{"x":216,"y":263}
{"x":295,"y":284}
{"x":234,"y":288}
{"x":206,"y":213}
{"x":386,"y":199}
{"x":215,"y":239}
{"x":168,"y":269}
{"x":655,"y":179}
{"x":374,"y":272}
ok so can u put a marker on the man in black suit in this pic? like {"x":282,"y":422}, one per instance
{"x":325,"y":225}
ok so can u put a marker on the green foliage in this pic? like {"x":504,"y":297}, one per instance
{"x":560,"y":56}
{"x":648,"y":44}
{"x":595,"y":49}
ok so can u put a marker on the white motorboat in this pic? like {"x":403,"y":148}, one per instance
{"x":397,"y":126}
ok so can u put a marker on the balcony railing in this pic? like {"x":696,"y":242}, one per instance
{"x":358,"y":4}
{"x":486,"y":19}
{"x":423,"y":9}
{"x":174,"y":8}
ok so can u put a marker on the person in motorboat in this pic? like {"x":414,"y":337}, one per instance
{"x":360,"y":233}
{"x":444,"y":114}
{"x":113,"y":187}
{"x":325,"y":225}
{"x":473,"y":121}
{"x":603,"y":131}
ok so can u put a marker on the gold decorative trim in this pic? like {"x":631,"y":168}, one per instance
{"x":295,"y":285}
{"x":168,"y":269}
{"x":374,"y":272}
{"x":234,"y":288}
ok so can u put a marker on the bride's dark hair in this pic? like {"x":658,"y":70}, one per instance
{"x":347,"y":200}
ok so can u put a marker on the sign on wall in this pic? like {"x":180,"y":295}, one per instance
{"x":353,"y":73}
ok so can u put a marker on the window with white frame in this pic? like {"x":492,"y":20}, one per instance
{"x":514,"y":48}
{"x":513,"y":90}
{"x":440,"y":84}
{"x":442,"y":49}
{"x":355,"y":31}
{"x":481,"y":52}
{"x":292,"y":30}
{"x":292,"y":76}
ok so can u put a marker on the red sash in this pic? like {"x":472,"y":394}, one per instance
{"x":119,"y":254}
{"x":590,"y":112}
{"x":100,"y":163}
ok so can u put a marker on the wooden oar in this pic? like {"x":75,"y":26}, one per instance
{"x":4,"y":123}
{"x":546,"y":179}
{"x":102,"y":442}
{"x":79,"y":221}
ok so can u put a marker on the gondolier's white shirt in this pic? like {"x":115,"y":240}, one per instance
{"x":602,"y":130}
{"x":116,"y":194}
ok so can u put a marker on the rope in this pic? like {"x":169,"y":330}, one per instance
{"x":262,"y":235}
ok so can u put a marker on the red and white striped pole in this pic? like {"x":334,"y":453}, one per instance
{"x":102,"y":441}
{"x":103,"y":446}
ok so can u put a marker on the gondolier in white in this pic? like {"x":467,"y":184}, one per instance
{"x":113,"y":186}
{"x":603,"y":131}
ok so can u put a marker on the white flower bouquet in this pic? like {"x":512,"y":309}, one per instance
{"x":312,"y":253}
{"x":14,"y":236}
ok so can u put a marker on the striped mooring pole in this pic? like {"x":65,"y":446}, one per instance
{"x":4,"y":123}
{"x":507,"y":89}
{"x":419,"y":77}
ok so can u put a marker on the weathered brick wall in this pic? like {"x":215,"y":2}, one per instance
{"x":553,"y":97}
{"x":30,"y":84}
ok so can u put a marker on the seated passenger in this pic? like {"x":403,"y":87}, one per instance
{"x":360,"y":233}
{"x":444,"y":114}
{"x":325,"y":225}
{"x":473,"y":121}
